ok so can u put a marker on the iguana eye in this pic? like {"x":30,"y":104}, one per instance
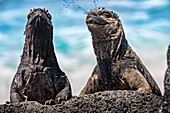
{"x":49,"y":16}
{"x":107,"y":15}
{"x":28,"y":16}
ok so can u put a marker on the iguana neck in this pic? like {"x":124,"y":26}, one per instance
{"x":38,"y":48}
{"x":108,"y":46}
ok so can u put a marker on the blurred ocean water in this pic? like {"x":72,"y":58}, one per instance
{"x":146,"y":24}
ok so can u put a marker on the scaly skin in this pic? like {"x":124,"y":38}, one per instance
{"x":118,"y":66}
{"x":39,"y":77}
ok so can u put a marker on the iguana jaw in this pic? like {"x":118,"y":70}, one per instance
{"x":95,"y":20}
{"x":95,"y":23}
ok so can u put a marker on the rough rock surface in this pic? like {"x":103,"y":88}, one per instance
{"x":121,"y":101}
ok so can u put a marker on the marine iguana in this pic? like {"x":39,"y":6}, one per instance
{"x":167,"y":79}
{"x":39,"y":77}
{"x":118,"y":66}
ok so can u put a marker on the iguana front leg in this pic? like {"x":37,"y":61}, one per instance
{"x":15,"y":97}
{"x":92,"y":85}
{"x":136,"y":80}
{"x":16,"y":92}
{"x":64,"y":94}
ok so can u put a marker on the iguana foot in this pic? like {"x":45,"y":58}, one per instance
{"x":50,"y":102}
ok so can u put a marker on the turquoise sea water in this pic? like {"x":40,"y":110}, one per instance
{"x":146,"y":24}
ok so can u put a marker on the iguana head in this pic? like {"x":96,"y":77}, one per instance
{"x":107,"y":33}
{"x":103,"y":22}
{"x":38,"y":20}
{"x":38,"y":16}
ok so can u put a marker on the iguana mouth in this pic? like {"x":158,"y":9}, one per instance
{"x":38,"y":18}
{"x":38,"y":21}
{"x":91,"y":19}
